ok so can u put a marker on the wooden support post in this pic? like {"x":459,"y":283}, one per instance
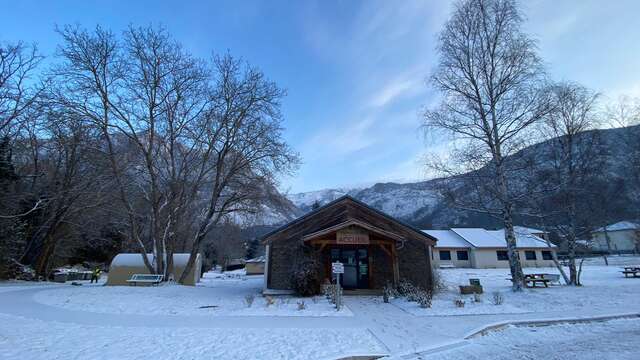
{"x":396,"y":269}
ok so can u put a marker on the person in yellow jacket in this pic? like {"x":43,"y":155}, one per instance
{"x":95,"y":275}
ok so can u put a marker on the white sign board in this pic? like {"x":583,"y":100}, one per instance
{"x":337,"y":268}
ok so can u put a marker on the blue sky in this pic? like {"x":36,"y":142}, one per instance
{"x":354,"y":70}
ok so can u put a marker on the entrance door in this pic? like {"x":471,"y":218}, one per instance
{"x":356,"y":266}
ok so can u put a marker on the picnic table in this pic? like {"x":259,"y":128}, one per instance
{"x":631,"y":270}
{"x":531,"y":280}
{"x":145,"y":279}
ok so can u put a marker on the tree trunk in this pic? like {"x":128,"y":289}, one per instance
{"x":514,"y":261}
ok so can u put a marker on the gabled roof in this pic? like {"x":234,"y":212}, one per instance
{"x":481,"y":238}
{"x":341,"y":211}
{"x":619,"y":226}
{"x":524,"y":240}
{"x":528,"y":230}
{"x":448,"y":238}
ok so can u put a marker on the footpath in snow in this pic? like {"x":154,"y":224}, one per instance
{"x":214,"y":321}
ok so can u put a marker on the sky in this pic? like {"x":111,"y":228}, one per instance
{"x":355,"y":71}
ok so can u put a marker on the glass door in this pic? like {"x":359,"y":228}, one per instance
{"x":356,"y":267}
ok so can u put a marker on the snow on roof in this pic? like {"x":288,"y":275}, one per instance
{"x":479,"y":237}
{"x":523,"y":240}
{"x":619,"y":226}
{"x":528,"y":230}
{"x":482,"y":238}
{"x":135,"y":259}
{"x":447,"y":238}
{"x":258,"y":259}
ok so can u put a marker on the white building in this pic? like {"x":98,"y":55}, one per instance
{"x":481,"y":248}
{"x":623,"y":236}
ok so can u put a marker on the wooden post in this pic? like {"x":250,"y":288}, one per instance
{"x":394,"y":262}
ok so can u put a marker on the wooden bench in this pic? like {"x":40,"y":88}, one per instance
{"x":631,"y":270}
{"x":145,"y":279}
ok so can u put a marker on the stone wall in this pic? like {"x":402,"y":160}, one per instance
{"x":381,"y":268}
{"x":282,"y":257}
{"x":414,"y":263}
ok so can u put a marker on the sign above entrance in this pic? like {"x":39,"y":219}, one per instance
{"x":337,"y":268}
{"x":352,"y":236}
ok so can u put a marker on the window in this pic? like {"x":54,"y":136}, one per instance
{"x":462,"y":255}
{"x":530,"y":255}
{"x":546,"y":255}
{"x":502,"y":255}
{"x":445,"y":255}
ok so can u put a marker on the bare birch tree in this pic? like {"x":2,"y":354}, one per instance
{"x":490,"y":79}
{"x":575,"y":158}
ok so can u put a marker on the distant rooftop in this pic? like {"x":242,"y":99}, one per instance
{"x":482,"y":238}
{"x":620,"y":226}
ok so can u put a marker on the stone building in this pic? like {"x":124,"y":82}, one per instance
{"x":375,"y":248}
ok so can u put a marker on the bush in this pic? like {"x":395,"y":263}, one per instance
{"x":405,"y":288}
{"x":477,"y":297}
{"x":388,"y":292}
{"x":459,"y":303}
{"x":304,"y":277}
{"x":497,"y":298}
{"x":269,"y":300}
{"x":424,"y":298}
{"x":437,"y":281}
{"x":249,"y":299}
{"x":301,"y":305}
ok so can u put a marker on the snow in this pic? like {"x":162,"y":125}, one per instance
{"x":135,"y":259}
{"x":599,"y":283}
{"x":217,"y":295}
{"x":447,"y":239}
{"x":481,"y":238}
{"x":619,"y":226}
{"x":58,"y":321}
{"x":614,"y":340}
{"x":523,"y":240}
{"x":258,"y":259}
{"x":22,"y":338}
{"x":444,"y":307}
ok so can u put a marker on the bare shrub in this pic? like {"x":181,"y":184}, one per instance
{"x":437,"y":281}
{"x":477,"y":297}
{"x":301,"y":305}
{"x":497,"y":298}
{"x":388,"y":292}
{"x":248,"y":299}
{"x":459,"y":303}
{"x":269,"y":300}
{"x":304,"y":276}
{"x":425,"y":298}
{"x":405,"y":287}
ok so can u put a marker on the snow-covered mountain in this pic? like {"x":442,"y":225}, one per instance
{"x":404,"y":201}
{"x":305,"y":200}
{"x":419,"y":203}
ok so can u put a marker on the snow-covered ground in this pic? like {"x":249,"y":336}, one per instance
{"x":611,"y":340}
{"x":599,"y":283}
{"x":212,"y":320}
{"x":22,"y":338}
{"x":216,"y":295}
